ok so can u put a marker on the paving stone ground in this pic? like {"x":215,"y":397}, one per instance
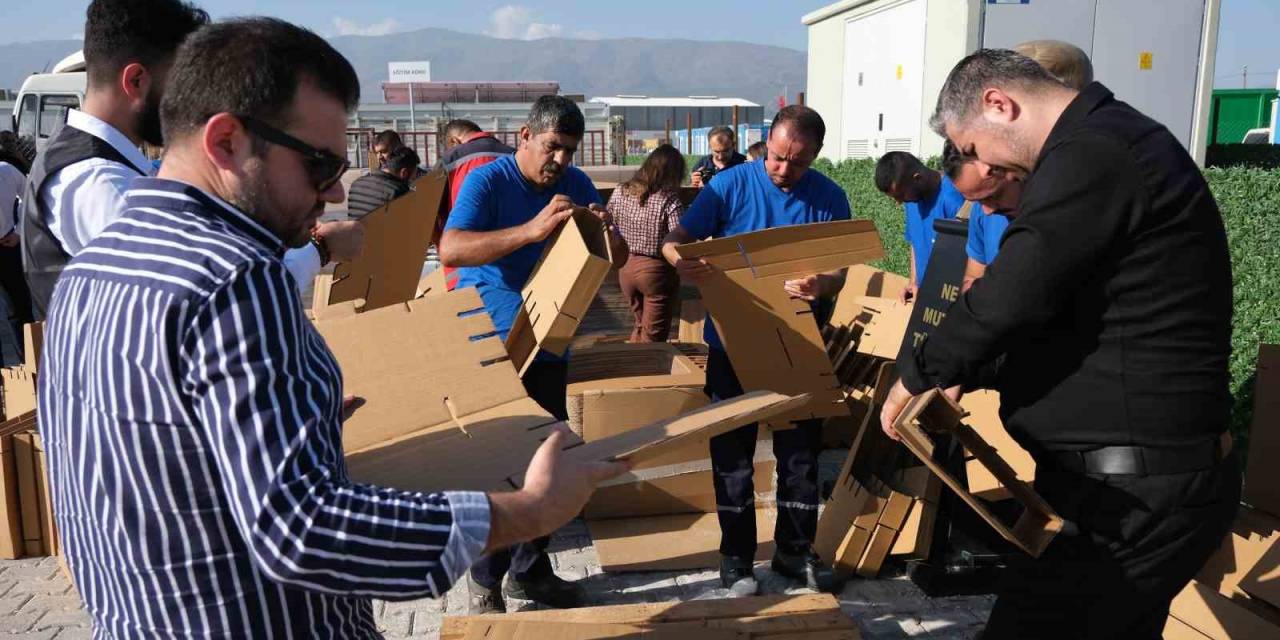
{"x":36,"y":602}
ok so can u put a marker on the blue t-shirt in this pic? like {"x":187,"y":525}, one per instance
{"x":944,"y":205}
{"x":497,"y":196}
{"x":985,"y":231}
{"x":743,"y":199}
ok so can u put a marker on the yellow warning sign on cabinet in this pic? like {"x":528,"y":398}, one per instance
{"x":1144,"y":60}
{"x":899,"y":72}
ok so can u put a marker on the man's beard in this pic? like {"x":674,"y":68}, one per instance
{"x":149,"y":128}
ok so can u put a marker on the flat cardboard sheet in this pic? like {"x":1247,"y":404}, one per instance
{"x":1243,"y":555}
{"x":983,"y":416}
{"x":532,"y":630}
{"x":803,"y":617}
{"x":11,"y":541}
{"x":670,"y":543}
{"x":933,"y":411}
{"x":864,"y":281}
{"x":396,"y":239}
{"x":771,"y":338}
{"x":558,"y":294}
{"x":884,"y":328}
{"x":682,"y":492}
{"x":1262,"y":474}
{"x":1210,"y":613}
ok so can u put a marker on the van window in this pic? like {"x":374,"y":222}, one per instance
{"x":53,"y":112}
{"x":27,"y":116}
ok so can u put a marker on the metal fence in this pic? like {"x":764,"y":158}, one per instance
{"x":592,"y":151}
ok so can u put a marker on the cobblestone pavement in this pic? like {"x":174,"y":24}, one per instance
{"x":36,"y":602}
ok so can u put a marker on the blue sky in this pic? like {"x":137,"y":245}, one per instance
{"x":1247,"y":35}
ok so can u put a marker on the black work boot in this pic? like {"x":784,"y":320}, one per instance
{"x":808,"y":567}
{"x":737,"y":576}
{"x":552,"y":591}
{"x":482,"y":600}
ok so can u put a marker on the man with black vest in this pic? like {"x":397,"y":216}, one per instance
{"x":384,"y":184}
{"x":77,"y":184}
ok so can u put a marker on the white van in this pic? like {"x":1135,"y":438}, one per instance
{"x":45,"y":98}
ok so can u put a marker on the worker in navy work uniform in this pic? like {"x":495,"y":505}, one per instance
{"x":781,"y":191}
{"x":1111,"y":298}
{"x":496,"y":232}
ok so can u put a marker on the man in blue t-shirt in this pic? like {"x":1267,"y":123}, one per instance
{"x":779,"y":192}
{"x":495,"y":235}
{"x":925,"y":195}
{"x":997,"y":193}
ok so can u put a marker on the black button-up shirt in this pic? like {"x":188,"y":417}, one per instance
{"x":1111,"y":294}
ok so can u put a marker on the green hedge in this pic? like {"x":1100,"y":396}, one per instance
{"x":1250,"y":203}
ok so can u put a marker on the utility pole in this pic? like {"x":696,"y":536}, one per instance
{"x":1245,"y":81}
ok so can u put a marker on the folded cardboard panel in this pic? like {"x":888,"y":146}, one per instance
{"x":1242,"y":558}
{"x":396,"y":239}
{"x":11,"y":534}
{"x":983,"y":416}
{"x":668,"y":493}
{"x":533,"y":630}
{"x":933,"y":411}
{"x":19,"y":390}
{"x":574,"y":264}
{"x":806,"y":617}
{"x":693,"y":317}
{"x":29,"y":498}
{"x":1175,"y":629}
{"x":1262,"y":475}
{"x":670,"y":543}
{"x":632,"y":366}
{"x":883,"y":327}
{"x":48,"y":530}
{"x":1220,"y":618}
{"x":771,"y":338}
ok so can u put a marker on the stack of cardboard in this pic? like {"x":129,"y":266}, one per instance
{"x":804,"y":617}
{"x":661,"y":514}
{"x":26,"y":515}
{"x":1237,"y":593}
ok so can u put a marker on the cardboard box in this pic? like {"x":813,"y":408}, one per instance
{"x":771,"y":338}
{"x":800,"y":617}
{"x":983,"y":416}
{"x":933,"y":411}
{"x":664,"y":491}
{"x":1262,"y":474}
{"x":396,"y":239}
{"x":670,"y":543}
{"x":1210,"y":613}
{"x":573,"y":265}
{"x":436,"y":391}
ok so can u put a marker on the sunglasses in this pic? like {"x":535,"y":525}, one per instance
{"x":324,"y":168}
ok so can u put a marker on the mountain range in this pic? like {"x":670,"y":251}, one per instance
{"x":644,"y":66}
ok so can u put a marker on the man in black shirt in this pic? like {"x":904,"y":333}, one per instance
{"x":1111,"y":298}
{"x":388,"y":182}
{"x":723,"y":142}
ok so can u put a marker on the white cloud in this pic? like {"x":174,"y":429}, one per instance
{"x":347,"y":27}
{"x":516,"y":22}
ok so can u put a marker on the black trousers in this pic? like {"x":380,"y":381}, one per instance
{"x":732,"y":456}
{"x":1141,"y":540}
{"x":546,"y":383}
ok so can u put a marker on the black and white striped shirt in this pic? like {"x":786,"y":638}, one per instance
{"x":191,"y":417}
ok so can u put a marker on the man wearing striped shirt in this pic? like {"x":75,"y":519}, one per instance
{"x":191,"y":413}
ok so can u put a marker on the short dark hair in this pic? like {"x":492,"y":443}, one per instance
{"x":722,"y":132}
{"x":802,"y":120}
{"x":389,"y":139}
{"x":250,"y":66}
{"x":460,"y":127}
{"x":952,"y":159}
{"x":118,"y":33}
{"x":894,"y":168}
{"x":982,"y":69}
{"x":402,"y":158}
{"x":556,"y":114}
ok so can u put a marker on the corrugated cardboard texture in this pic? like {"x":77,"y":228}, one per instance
{"x":804,"y":617}
{"x":670,"y":543}
{"x":556,"y":298}
{"x":983,"y":409}
{"x":688,"y":492}
{"x":11,"y":541}
{"x":932,"y":411}
{"x":396,"y":240}
{"x":29,"y":498}
{"x":1262,"y":475}
{"x":1208,"y":612}
{"x":771,"y":338}
{"x":531,"y":630}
